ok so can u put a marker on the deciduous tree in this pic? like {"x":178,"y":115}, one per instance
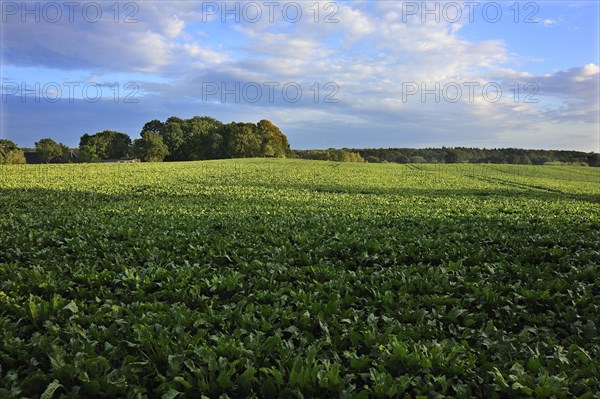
{"x":10,"y":153}
{"x":48,"y":149}
{"x":150,"y":148}
{"x":107,"y":144}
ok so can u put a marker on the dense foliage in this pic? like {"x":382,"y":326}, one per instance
{"x":150,"y":147}
{"x":107,"y":144}
{"x":10,"y":154}
{"x":475,"y":155}
{"x":201,"y":138}
{"x":332,"y":154}
{"x":292,"y":278}
{"x":197,"y":138}
{"x":49,"y":150}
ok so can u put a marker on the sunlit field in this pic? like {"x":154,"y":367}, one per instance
{"x":290,"y":278}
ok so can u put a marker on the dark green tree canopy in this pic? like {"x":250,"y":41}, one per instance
{"x":332,"y":154}
{"x":10,"y":153}
{"x":593,"y":159}
{"x":48,"y":149}
{"x":107,"y":144}
{"x":154,"y":126}
{"x":274,"y":143}
{"x":203,"y":137}
{"x":451,"y":156}
{"x":150,"y":148}
{"x":474,"y":155}
{"x":7,"y":146}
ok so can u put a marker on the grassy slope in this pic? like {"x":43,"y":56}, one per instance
{"x":275,"y":277}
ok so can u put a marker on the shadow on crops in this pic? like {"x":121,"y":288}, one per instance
{"x":297,"y":196}
{"x":508,"y":190}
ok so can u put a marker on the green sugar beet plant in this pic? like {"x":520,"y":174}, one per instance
{"x":298,"y":279}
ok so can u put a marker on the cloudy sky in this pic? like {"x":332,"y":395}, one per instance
{"x":328,"y":73}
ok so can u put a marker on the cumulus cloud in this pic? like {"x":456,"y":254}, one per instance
{"x":139,"y":36}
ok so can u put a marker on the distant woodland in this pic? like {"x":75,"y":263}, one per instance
{"x":453,"y":155}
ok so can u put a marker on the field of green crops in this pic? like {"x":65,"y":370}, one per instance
{"x":289,"y":278}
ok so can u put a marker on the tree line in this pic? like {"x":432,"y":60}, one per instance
{"x":176,"y":139}
{"x":452,"y":155}
{"x":476,"y":155}
{"x":331,"y":154}
{"x":203,"y":138}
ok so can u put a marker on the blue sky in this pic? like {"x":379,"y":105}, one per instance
{"x":328,"y":73}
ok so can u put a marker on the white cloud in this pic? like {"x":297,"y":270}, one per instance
{"x":359,"y":25}
{"x":174,"y":27}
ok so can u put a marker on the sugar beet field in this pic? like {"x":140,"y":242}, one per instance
{"x":289,"y":278}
